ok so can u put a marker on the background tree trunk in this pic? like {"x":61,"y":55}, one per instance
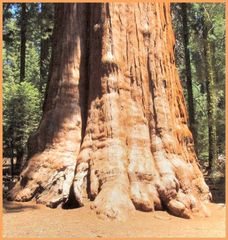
{"x":45,"y":43}
{"x":23,"y":23}
{"x":211,"y":98}
{"x":114,"y":128}
{"x":191,"y":107}
{"x":23,"y":40}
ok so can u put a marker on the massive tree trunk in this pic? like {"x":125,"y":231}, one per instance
{"x":114,"y":127}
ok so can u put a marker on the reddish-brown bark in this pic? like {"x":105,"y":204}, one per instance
{"x":114,"y":129}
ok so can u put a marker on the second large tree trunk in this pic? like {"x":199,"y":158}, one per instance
{"x":114,"y":128}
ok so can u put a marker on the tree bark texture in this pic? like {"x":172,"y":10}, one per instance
{"x":114,"y":127}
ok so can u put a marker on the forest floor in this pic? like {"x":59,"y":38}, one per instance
{"x":26,"y":220}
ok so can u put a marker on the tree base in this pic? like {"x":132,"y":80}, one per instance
{"x":113,"y":194}
{"x":114,"y":129}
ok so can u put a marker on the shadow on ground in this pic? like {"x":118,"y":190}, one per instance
{"x":12,"y":207}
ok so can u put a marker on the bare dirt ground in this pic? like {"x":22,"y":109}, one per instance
{"x":32,"y":220}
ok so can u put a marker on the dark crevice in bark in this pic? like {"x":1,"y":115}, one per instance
{"x":71,"y":202}
{"x":152,"y":89}
{"x":165,"y":15}
{"x":96,"y":34}
{"x":85,"y":69}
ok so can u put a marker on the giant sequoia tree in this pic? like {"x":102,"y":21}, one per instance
{"x":114,"y":127}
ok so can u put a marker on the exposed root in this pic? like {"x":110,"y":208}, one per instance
{"x":113,"y":201}
{"x":178,"y":209}
{"x":47,"y":181}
